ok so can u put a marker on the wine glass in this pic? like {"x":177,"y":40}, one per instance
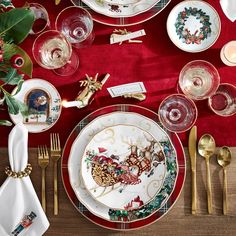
{"x":76,"y":24}
{"x":41,"y":21}
{"x":177,"y":113}
{"x":52,"y":50}
{"x":223,"y":102}
{"x":199,"y":79}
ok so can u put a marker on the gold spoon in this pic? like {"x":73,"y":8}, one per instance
{"x":206,"y":148}
{"x":224,"y":158}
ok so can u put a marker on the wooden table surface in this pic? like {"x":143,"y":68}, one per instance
{"x":178,"y":221}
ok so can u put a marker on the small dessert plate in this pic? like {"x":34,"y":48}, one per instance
{"x":43,"y":102}
{"x":193,"y":25}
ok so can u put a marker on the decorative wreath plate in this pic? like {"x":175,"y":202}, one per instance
{"x":193,"y":25}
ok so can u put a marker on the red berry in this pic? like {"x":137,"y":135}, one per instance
{"x":17,"y":61}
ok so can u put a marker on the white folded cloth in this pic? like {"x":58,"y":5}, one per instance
{"x":229,"y":8}
{"x":17,"y":196}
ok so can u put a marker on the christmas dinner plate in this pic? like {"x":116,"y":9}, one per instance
{"x":152,"y":211}
{"x":121,"y":2}
{"x":124,"y":21}
{"x":122,"y":163}
{"x":43,"y":102}
{"x":193,"y":25}
{"x":135,"y":209}
{"x":116,"y":10}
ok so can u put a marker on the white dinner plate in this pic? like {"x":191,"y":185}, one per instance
{"x":120,"y":165}
{"x":122,"y":2}
{"x":80,"y":144}
{"x":125,"y":21}
{"x":116,"y":10}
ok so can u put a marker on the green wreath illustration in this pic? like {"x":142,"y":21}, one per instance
{"x":200,"y":34}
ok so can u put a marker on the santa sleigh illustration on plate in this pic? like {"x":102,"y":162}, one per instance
{"x":111,"y":172}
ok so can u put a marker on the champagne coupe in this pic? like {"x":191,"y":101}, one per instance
{"x":223,"y":102}
{"x":76,"y":24}
{"x":199,"y":79}
{"x":52,"y":50}
{"x":177,"y":113}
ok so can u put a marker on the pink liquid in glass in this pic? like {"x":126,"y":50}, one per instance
{"x":219,"y":102}
{"x":39,"y":25}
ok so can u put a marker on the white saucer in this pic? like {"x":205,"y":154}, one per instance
{"x":193,"y":25}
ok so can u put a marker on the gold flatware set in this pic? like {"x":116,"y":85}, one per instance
{"x":43,"y":162}
{"x":206,"y":148}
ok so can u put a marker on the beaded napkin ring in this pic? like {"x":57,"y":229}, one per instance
{"x":26,"y":172}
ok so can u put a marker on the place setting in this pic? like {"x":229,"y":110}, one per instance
{"x":123,"y":166}
{"x":157,"y":171}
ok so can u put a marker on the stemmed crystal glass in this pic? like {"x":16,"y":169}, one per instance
{"x":76,"y":24}
{"x":177,"y":113}
{"x":52,"y":50}
{"x":199,"y":79}
{"x":223,"y":102}
{"x":41,"y":21}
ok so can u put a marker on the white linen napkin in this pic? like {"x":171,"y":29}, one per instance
{"x":229,"y":8}
{"x":17,"y":196}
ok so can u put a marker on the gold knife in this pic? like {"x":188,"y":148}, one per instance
{"x":57,"y":2}
{"x":192,"y":145}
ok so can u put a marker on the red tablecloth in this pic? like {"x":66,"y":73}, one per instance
{"x":157,"y":62}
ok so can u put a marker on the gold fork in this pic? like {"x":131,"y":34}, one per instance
{"x":43,"y":161}
{"x":55,"y":155}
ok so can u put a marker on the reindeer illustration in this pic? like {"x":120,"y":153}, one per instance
{"x":107,"y":171}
